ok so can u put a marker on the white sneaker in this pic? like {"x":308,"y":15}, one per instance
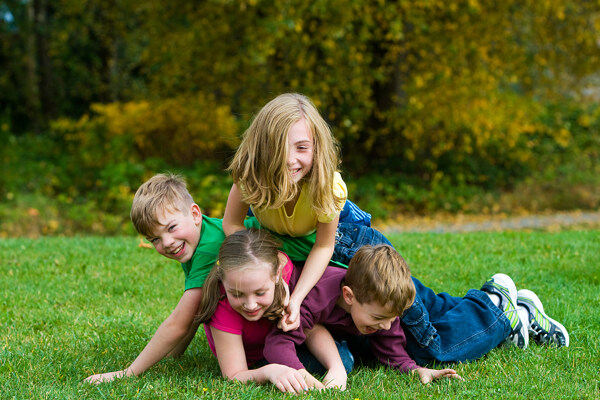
{"x":542,"y":328}
{"x":505,"y":288}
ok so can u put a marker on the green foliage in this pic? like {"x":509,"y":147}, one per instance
{"x":72,"y":307}
{"x":456,"y":102}
{"x":81,"y":178}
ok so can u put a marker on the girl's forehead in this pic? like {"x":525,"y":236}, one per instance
{"x":249,"y":271}
{"x":300,"y":130}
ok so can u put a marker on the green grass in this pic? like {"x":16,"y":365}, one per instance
{"x":71,"y":307}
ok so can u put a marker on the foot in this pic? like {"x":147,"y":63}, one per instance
{"x":502,"y":286}
{"x":542,"y":328}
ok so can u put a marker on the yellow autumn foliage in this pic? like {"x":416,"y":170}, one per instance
{"x":180,"y":130}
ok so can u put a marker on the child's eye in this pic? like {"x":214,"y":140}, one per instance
{"x":172,"y":228}
{"x":152,"y":240}
{"x":236,"y":295}
{"x":260,"y":293}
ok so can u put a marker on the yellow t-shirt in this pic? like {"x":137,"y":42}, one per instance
{"x":303,"y":220}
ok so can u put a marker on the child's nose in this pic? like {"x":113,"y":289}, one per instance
{"x":386,"y":325}
{"x":250,"y":304}
{"x":291,"y":158}
{"x":167,"y":240}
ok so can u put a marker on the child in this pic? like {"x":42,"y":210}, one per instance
{"x":364,"y":300}
{"x":246,"y":289}
{"x":285,"y":170}
{"x":377,"y":288}
{"x":164,"y":212}
{"x":429,"y":322}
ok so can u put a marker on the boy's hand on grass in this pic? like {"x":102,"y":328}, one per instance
{"x":427,"y":375}
{"x":336,"y":379}
{"x":106,"y":377}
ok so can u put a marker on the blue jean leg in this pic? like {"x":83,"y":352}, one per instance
{"x":350,"y":237}
{"x":443,"y":328}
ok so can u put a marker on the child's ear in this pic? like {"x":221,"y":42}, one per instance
{"x":196,"y":213}
{"x":348,"y":295}
{"x":282,"y":262}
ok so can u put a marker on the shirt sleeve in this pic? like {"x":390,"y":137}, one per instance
{"x":226,"y":319}
{"x":341,"y":191}
{"x":280,"y":347}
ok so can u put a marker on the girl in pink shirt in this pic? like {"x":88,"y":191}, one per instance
{"x":243,"y":293}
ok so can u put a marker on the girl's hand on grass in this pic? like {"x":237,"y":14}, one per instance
{"x":291,"y":380}
{"x":335,"y":379}
{"x":427,"y":375}
{"x":106,"y":377}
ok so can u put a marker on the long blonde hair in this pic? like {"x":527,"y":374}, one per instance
{"x":259,"y":166}
{"x":238,"y":251}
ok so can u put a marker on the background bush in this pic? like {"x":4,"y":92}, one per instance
{"x":442,"y":105}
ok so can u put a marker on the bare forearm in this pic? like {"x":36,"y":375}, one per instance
{"x":321,"y":344}
{"x":166,"y":339}
{"x":315,"y":265}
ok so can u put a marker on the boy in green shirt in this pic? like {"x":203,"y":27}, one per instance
{"x":165,"y":213}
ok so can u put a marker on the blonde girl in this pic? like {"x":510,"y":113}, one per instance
{"x":245,"y":289}
{"x":285,"y":170}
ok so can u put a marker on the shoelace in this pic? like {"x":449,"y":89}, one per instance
{"x":546,"y":337}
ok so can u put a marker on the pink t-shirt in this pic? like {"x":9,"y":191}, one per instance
{"x":226,"y":319}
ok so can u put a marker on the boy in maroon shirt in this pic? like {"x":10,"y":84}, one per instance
{"x":366,"y":299}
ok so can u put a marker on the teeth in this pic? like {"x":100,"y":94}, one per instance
{"x":177,"y":250}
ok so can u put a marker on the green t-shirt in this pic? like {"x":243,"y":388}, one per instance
{"x":211,"y":238}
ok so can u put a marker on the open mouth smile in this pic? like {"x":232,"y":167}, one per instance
{"x":178,"y":250}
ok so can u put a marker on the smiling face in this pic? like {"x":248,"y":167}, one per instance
{"x":300,"y":150}
{"x":368,"y":317}
{"x":177,"y":234}
{"x":250,"y":290}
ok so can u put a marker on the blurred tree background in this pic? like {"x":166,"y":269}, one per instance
{"x":455,"y":105}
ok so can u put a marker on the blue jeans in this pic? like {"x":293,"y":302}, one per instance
{"x":443,"y":328}
{"x":350,"y":237}
{"x":438,"y":327}
{"x":351,"y":213}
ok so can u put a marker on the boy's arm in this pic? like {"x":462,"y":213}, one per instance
{"x":280,"y":346}
{"x":169,"y":336}
{"x":315,"y":265}
{"x":232,"y":361}
{"x":321,"y":344}
{"x":235,"y":212}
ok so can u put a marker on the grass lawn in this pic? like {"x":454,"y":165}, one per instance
{"x":71,"y":307}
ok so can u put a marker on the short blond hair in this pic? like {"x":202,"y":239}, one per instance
{"x":161,"y":193}
{"x":379,"y":273}
{"x":259,"y":166}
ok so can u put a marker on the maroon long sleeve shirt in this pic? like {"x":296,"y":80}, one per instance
{"x":319,"y":307}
